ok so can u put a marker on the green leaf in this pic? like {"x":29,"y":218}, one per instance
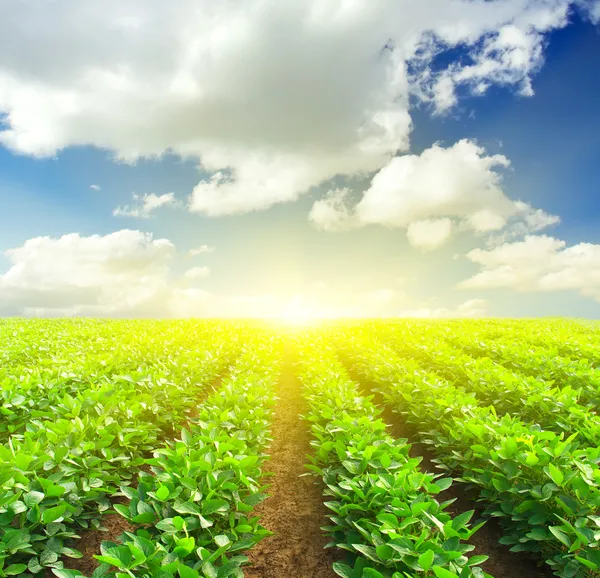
{"x":34,"y":566}
{"x":48,"y":557}
{"x":462,"y":520}
{"x":426,"y":559}
{"x":187,"y":572}
{"x":212,"y":506}
{"x":209,"y":570}
{"x":372,"y":573}
{"x":343,"y":570}
{"x":15,"y":569}
{"x":222,"y":541}
{"x":63,"y":573}
{"x":556,"y":475}
{"x":53,"y":514}
{"x":145,"y":518}
{"x":162,"y":493}
{"x":479,"y":559}
{"x":560,"y":535}
{"x":33,"y":498}
{"x":443,"y":483}
{"x":443,"y":573}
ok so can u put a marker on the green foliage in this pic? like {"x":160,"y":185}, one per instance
{"x":195,"y":507}
{"x":383,"y":509}
{"x":84,"y":404}
{"x":543,"y":486}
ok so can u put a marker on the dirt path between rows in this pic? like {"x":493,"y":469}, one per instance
{"x":294,"y":510}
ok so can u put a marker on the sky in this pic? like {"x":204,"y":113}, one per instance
{"x":314,"y":158}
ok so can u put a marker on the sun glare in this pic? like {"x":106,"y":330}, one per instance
{"x":298,"y":312}
{"x":297,"y":316}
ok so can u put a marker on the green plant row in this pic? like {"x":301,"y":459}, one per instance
{"x":558,"y":337}
{"x":557,"y":409}
{"x":511,"y":348}
{"x":194,"y":509}
{"x":91,"y":369}
{"x":58,"y":475}
{"x":383,"y":509}
{"x":544,"y":489}
{"x":540,"y":361}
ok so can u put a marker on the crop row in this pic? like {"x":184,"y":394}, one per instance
{"x":383,"y":509}
{"x":194,"y":509}
{"x":59,"y":470}
{"x":544,"y":489}
{"x":557,"y":408}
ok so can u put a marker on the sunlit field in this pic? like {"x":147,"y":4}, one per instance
{"x":299,"y":448}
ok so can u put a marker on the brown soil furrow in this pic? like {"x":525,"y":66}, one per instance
{"x":89,"y":543}
{"x":294,"y":511}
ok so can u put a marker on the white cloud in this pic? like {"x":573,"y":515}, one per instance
{"x":595,"y":12}
{"x":510,"y":56}
{"x":430,"y":192}
{"x":273,"y":98}
{"x":130,"y":274}
{"x":333,"y":212}
{"x":429,"y":234}
{"x":95,"y":187}
{"x":197,"y":273}
{"x":121,"y":273}
{"x":201,"y":250}
{"x":458,"y":181}
{"x":471,"y":308}
{"x":146,"y":205}
{"x":538,"y":263}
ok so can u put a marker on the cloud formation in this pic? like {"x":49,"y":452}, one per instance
{"x":200,"y":250}
{"x":197,"y":273}
{"x":429,"y":234}
{"x":272,"y":98}
{"x":131,"y":274}
{"x":123,"y":273}
{"x":432,"y":193}
{"x":145,"y":205}
{"x":539,"y":263}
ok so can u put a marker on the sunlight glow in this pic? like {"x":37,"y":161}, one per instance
{"x":298,"y":313}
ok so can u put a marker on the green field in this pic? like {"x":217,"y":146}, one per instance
{"x":177,"y":448}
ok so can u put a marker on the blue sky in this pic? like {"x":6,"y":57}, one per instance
{"x":270,"y":253}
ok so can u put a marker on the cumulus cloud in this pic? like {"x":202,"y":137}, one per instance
{"x":197,"y":273}
{"x":333,"y":212}
{"x":95,"y":187}
{"x":430,"y":193}
{"x":272,"y":98}
{"x":131,"y":274}
{"x":146,"y":205}
{"x":429,"y":234}
{"x":200,"y":250}
{"x":121,"y":273}
{"x":538,"y":263}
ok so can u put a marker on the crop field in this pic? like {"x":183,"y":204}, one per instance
{"x":361,"y":449}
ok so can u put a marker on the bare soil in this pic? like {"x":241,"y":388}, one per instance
{"x":502,"y":562}
{"x":294,"y":510}
{"x":89,"y":543}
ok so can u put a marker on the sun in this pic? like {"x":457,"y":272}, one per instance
{"x":298,"y":313}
